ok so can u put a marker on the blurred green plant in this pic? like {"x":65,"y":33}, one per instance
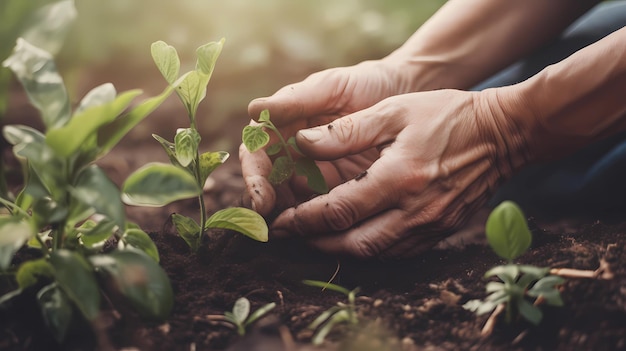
{"x":68,"y":209}
{"x":240,"y":316}
{"x":158,"y":184}
{"x":509,"y":237}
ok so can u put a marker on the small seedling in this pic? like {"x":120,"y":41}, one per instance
{"x":240,"y":316}
{"x":255,"y":137}
{"x":341,"y":313}
{"x":509,"y":237}
{"x":158,"y":184}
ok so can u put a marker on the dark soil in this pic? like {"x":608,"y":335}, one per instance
{"x":412,"y":304}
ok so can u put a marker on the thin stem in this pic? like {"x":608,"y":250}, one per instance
{"x":283,"y":143}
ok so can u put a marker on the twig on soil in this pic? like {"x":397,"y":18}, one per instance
{"x":603,"y":272}
{"x":491,"y":321}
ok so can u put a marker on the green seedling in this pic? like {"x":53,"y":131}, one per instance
{"x":255,"y":137}
{"x":158,"y":184}
{"x":340,"y":314}
{"x":68,"y":208}
{"x":519,"y":286}
{"x":240,"y":316}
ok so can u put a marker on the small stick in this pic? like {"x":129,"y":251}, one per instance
{"x":491,"y":321}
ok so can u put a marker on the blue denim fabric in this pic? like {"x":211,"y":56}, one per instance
{"x":592,"y":181}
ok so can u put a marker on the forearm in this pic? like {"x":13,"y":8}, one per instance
{"x":573,"y":103}
{"x":466,"y":41}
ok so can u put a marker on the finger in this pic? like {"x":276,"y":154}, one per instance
{"x":311,"y":97}
{"x":344,"y":206}
{"x":351,"y":134}
{"x":255,"y":168}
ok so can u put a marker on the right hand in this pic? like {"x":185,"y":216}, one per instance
{"x":319,"y":99}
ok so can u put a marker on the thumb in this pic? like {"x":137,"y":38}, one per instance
{"x":311,"y":97}
{"x":348,"y":135}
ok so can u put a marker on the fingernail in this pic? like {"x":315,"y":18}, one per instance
{"x":311,"y":135}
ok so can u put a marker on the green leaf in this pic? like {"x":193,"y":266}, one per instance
{"x":140,"y":240}
{"x":254,"y":137}
{"x":273,"y":149}
{"x":315,"y":180}
{"x":110,"y":134}
{"x":242,"y":220}
{"x":326,"y":285}
{"x":75,"y":276}
{"x":260,"y":312}
{"x":282,"y":169}
{"x":94,"y":235}
{"x":38,"y":74}
{"x":140,"y":279}
{"x":18,"y":134}
{"x":95,"y":189}
{"x":188,"y":229}
{"x":507,"y":231}
{"x":509,"y":272}
{"x":157,"y":184}
{"x":67,"y":140}
{"x":530,"y":312}
{"x":264,"y":116}
{"x":14,"y":232}
{"x":339,"y":317}
{"x":241,"y":310}
{"x":30,"y":272}
{"x":56,"y":309}
{"x":186,"y":145}
{"x":100,"y":95}
{"x":209,"y":161}
{"x":207,"y":57}
{"x":166,"y":59}
{"x":169,"y":147}
{"x":536,"y":272}
{"x":49,"y":25}
{"x":192,"y":90}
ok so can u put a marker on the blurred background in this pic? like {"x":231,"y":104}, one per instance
{"x":269,"y":43}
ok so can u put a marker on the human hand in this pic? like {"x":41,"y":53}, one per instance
{"x":319,"y":99}
{"x":441,"y":155}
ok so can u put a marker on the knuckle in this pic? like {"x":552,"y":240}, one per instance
{"x":339,"y":216}
{"x":364,"y":248}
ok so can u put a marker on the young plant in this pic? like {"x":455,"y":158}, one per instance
{"x":341,"y":313}
{"x":255,"y":137}
{"x":68,"y":208}
{"x":158,"y":184}
{"x":509,"y":237}
{"x":240,"y":316}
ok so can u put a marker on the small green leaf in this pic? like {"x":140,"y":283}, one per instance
{"x":509,"y":272}
{"x":140,"y":240}
{"x":242,"y":220}
{"x":315,"y":180}
{"x":76,"y":277}
{"x":264,"y":116}
{"x":530,"y":312}
{"x":169,"y":147}
{"x":157,"y":184}
{"x":166,"y":59}
{"x":254,"y":137}
{"x":93,"y":235}
{"x":323,"y":317}
{"x":326,"y":285}
{"x":192,"y":90}
{"x":100,"y":95}
{"x":260,"y":312}
{"x":507,"y":231}
{"x":49,"y":25}
{"x":241,"y":310}
{"x":14,"y":232}
{"x":38,"y":74}
{"x":188,"y":229}
{"x":282,"y":169}
{"x":140,"y":279}
{"x":30,"y":272}
{"x":56,"y":309}
{"x":186,"y":145}
{"x":339,"y":317}
{"x":273,"y":149}
{"x":209,"y":161}
{"x":207,"y":57}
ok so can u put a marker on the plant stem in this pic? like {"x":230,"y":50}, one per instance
{"x":283,"y":143}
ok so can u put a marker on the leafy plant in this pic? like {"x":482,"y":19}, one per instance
{"x":158,"y":184}
{"x":240,"y":316}
{"x":68,"y":208}
{"x":508,"y":235}
{"x":255,"y":137}
{"x":341,"y":313}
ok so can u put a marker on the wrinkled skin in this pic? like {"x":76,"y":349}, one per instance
{"x":431,"y":159}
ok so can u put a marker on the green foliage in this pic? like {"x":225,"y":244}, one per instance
{"x":240,"y":316}
{"x":339,"y":314}
{"x":65,"y":191}
{"x":509,"y":237}
{"x":255,"y":137}
{"x":160,"y":184}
